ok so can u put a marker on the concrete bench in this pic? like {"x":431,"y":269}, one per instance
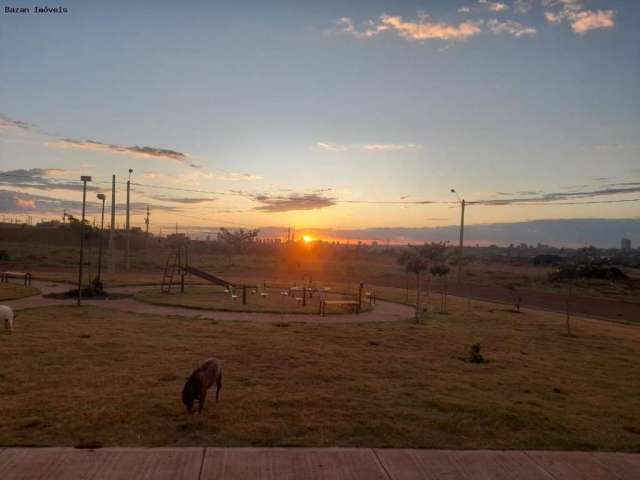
{"x":355,"y":305}
{"x":5,"y":276}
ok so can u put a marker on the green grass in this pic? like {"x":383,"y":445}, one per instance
{"x":70,"y":375}
{"x":214,"y":298}
{"x":12,"y":291}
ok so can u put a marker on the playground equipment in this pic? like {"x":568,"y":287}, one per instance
{"x":178,"y":265}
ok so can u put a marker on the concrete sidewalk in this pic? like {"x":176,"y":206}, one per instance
{"x":311,"y":463}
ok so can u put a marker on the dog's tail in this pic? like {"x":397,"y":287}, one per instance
{"x":218,"y":386}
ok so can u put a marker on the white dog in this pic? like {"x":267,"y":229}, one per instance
{"x":6,"y":314}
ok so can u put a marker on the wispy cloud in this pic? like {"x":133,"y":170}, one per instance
{"x":494,"y":6}
{"x":292,"y":202}
{"x":580,"y":19}
{"x":132,"y":151}
{"x":522,"y":6}
{"x":7,"y":123}
{"x":510,"y":27}
{"x":40,"y":179}
{"x":183,"y":200}
{"x":522,"y":198}
{"x":368,"y":147}
{"x":421,"y":29}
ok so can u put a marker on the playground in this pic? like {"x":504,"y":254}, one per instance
{"x":224,"y":295}
{"x":275,"y":299}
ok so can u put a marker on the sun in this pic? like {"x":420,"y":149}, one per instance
{"x":307,"y":238}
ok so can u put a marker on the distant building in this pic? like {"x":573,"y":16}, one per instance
{"x":625,"y":245}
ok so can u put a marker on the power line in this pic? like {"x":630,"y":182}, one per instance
{"x":490,"y":203}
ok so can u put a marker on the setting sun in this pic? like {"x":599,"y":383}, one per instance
{"x":307,"y":238}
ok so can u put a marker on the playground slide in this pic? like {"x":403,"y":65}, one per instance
{"x":207,"y":276}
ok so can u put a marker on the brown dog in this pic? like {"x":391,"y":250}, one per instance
{"x":201,"y":379}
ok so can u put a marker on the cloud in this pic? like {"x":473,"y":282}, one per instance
{"x":522,"y":6}
{"x":23,"y":204}
{"x":291,"y":202}
{"x":132,"y":151}
{"x":580,"y":19}
{"x":510,"y":27}
{"x":558,"y":196}
{"x":40,"y":179}
{"x":589,"y":20}
{"x":17,"y":202}
{"x":494,"y":6}
{"x":371,"y":147}
{"x":569,"y":232}
{"x":464,"y":10}
{"x":183,"y":200}
{"x":421,"y":29}
{"x":7,"y":123}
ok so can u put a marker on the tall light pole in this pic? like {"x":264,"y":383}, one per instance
{"x":128,"y":225}
{"x":84,"y":179}
{"x":112,"y":239}
{"x":102,"y":197}
{"x":461,"y":248}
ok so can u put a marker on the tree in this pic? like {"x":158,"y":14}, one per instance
{"x":442,"y":270}
{"x":515,"y":295}
{"x":417,"y":265}
{"x":416,"y":260}
{"x":237,"y":239}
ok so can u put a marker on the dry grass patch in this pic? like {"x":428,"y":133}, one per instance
{"x":215,"y":298}
{"x":74,"y":375}
{"x":12,"y":291}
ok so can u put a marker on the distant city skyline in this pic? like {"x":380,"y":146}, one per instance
{"x":330,"y":117}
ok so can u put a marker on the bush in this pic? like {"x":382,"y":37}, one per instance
{"x":474,"y":355}
{"x":598,"y":272}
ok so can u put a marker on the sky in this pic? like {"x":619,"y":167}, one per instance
{"x":325,"y":115}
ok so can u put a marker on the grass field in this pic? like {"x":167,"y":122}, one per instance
{"x":214,"y":298}
{"x":72,"y":375}
{"x":11,"y":291}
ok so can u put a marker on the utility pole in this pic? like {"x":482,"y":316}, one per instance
{"x":462,"y":205}
{"x":101,"y":196}
{"x":461,"y":247}
{"x":112,"y":236}
{"x":84,"y":180}
{"x":128,"y":260}
{"x":146,"y":221}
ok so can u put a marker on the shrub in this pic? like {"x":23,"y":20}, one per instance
{"x":474,"y":355}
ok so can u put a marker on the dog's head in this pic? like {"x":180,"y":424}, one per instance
{"x":189,"y":395}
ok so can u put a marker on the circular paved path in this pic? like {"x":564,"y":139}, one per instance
{"x":382,"y":311}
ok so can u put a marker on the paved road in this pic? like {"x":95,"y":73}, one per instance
{"x":382,"y":312}
{"x":311,"y":463}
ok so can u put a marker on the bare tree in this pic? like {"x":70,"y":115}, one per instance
{"x":238,"y":238}
{"x":516,"y":296}
{"x":568,"y":308}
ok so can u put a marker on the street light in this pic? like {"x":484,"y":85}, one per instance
{"x":128,"y":260}
{"x":462,"y":205}
{"x":102,"y":197}
{"x":84,"y":179}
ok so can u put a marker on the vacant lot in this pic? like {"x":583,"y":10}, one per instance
{"x":71,"y":375}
